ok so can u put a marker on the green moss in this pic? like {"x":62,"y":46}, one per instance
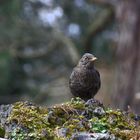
{"x":2,"y":132}
{"x":61,"y":121}
{"x":29,"y":120}
{"x":115,"y":121}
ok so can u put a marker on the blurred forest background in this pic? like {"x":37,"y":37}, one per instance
{"x":42,"y":40}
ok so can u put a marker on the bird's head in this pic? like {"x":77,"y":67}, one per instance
{"x":87,"y":60}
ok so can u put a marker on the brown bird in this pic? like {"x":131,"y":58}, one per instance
{"x":85,"y":79}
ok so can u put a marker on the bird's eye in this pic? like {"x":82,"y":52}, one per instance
{"x":84,"y":59}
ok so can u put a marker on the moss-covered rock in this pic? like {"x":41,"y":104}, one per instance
{"x":26,"y":121}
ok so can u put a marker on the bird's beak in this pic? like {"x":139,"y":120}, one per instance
{"x":94,"y":58}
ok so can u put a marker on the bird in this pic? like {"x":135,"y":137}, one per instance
{"x":84,"y":81}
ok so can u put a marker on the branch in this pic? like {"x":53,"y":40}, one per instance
{"x":102,"y":21}
{"x":35,"y":53}
{"x":104,"y":2}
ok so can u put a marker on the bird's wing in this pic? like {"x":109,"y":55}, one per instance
{"x":75,"y":75}
{"x":97,"y":79}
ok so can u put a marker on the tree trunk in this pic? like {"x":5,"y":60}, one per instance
{"x":128,"y":55}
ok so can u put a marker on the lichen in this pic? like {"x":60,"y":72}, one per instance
{"x":60,"y":122}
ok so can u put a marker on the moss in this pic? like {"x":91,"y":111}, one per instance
{"x":60,"y":122}
{"x":114,"y":121}
{"x":30,"y":122}
{"x":2,"y":132}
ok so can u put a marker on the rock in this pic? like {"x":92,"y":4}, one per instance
{"x":3,"y":139}
{"x":71,"y":120}
{"x":62,"y":132}
{"x":92,"y":103}
{"x":99,"y":111}
{"x":93,"y":136}
{"x":94,"y":108}
{"x":5,"y":111}
{"x":137,"y":117}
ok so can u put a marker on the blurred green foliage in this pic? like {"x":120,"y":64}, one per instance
{"x":35,"y":51}
{"x":5,"y":71}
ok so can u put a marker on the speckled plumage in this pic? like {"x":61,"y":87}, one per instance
{"x":85,"y":79}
